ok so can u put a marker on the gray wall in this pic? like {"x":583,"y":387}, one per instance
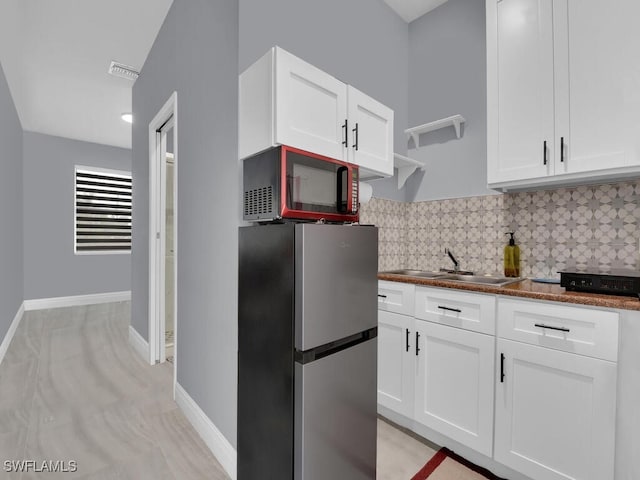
{"x":361,"y":42}
{"x":11,"y":271}
{"x":51,"y":269}
{"x":447,"y":76}
{"x":196,"y":54}
{"x":152,"y":89}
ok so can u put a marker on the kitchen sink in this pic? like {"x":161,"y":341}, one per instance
{"x":417,"y":273}
{"x":495,"y":281}
{"x":483,"y":279}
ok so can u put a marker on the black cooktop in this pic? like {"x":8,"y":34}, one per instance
{"x":612,"y":282}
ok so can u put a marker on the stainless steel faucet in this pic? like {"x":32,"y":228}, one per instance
{"x":456,"y":264}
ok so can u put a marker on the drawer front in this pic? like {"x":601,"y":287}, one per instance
{"x":581,"y":330}
{"x":471,"y":311}
{"x":396,"y":297}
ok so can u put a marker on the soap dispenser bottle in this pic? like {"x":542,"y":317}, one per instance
{"x":511,"y":258}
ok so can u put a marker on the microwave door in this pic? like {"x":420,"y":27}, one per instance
{"x":312,"y":186}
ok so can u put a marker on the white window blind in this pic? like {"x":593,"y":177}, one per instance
{"x":102,"y":211}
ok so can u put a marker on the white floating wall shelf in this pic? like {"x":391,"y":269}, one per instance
{"x":454,"y":120}
{"x":406,"y":166}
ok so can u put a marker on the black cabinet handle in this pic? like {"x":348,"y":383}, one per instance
{"x":502,"y":368}
{"x":406,"y":340}
{"x":382,"y":296}
{"x":544,"y":152}
{"x":560,"y":329}
{"x":457,"y":310}
{"x":355,"y":137}
{"x":417,"y":342}
{"x":562,"y":149}
{"x":341,"y":191}
{"x":345,"y":142}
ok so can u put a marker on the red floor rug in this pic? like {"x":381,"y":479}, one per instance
{"x":446,"y":465}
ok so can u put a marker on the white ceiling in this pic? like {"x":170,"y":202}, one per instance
{"x":55,"y":55}
{"x":409,"y":10}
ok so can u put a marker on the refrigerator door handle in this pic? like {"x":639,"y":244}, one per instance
{"x":308,"y":356}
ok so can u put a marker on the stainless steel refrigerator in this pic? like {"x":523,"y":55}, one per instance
{"x":307,"y":352}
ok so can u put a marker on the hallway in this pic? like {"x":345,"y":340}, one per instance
{"x":71,"y":388}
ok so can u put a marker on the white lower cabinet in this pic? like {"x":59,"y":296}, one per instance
{"x":396,"y":362}
{"x":531,"y":384}
{"x":438,"y":373}
{"x":555,"y":413}
{"x":454,"y":384}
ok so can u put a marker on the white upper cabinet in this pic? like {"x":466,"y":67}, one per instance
{"x":597,"y":84}
{"x":311,"y":107}
{"x":284,"y":100}
{"x":371,"y":125}
{"x":521,"y":82}
{"x":563,"y":92}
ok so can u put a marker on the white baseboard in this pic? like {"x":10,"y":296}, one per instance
{"x":57,"y":302}
{"x":11,"y":332}
{"x":139,"y":344}
{"x":217,"y":443}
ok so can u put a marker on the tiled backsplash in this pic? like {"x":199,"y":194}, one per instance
{"x":587,"y":226}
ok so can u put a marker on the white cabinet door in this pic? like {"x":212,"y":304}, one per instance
{"x":454,"y":384}
{"x":371,"y":134}
{"x":555,"y":413}
{"x":311,"y":107}
{"x":597,"y":84}
{"x":396,"y":362}
{"x":520,"y":89}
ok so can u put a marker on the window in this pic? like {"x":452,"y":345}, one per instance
{"x":102,"y":211}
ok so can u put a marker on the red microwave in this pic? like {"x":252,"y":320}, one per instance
{"x":289,"y":183}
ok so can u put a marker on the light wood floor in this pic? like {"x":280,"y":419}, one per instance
{"x":71,"y":388}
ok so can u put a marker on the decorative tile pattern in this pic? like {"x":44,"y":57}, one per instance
{"x":391,"y":219}
{"x":587,"y":226}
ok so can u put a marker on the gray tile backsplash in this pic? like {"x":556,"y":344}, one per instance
{"x":586,"y":226}
{"x":391,"y":219}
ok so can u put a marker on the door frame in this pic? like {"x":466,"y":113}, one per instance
{"x":166,"y":116}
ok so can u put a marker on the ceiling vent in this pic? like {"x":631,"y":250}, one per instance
{"x":123,"y":71}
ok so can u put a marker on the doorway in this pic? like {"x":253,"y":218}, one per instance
{"x":169,"y":257}
{"x":163,"y":173}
